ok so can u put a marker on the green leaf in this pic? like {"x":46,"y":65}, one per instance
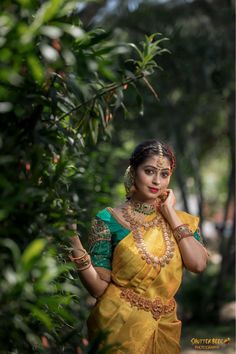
{"x":42,"y":316}
{"x":137,"y":50}
{"x":33,"y":251}
{"x":49,"y":53}
{"x":46,"y":12}
{"x":74,"y":31}
{"x":51,"y":31}
{"x":94,"y":125}
{"x":35,"y":67}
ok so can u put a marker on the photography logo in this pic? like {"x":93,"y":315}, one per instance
{"x":209,"y":343}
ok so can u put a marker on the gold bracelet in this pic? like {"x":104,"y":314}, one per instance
{"x":83,"y":262}
{"x":182,"y":231}
{"x":72,"y":258}
{"x":87,"y":266}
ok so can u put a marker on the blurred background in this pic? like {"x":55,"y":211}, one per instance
{"x":81,"y":84}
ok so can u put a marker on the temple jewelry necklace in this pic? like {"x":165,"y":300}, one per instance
{"x":137,"y":226}
{"x":143,"y":208}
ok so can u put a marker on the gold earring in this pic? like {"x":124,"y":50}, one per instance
{"x":129,"y":182}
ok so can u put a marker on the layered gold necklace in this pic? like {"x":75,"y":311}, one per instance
{"x":137,"y":224}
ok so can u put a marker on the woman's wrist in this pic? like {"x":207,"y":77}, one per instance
{"x":182,"y":231}
{"x":77,"y":252}
{"x":171,"y":216}
{"x":168,"y":211}
{"x":82,"y":260}
{"x":76,"y":245}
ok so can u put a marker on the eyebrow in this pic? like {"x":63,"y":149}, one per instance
{"x":163,"y":169}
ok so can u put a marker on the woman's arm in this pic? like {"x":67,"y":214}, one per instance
{"x":89,"y":277}
{"x":194,"y":255}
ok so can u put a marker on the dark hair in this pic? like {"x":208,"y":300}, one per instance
{"x":149,"y":148}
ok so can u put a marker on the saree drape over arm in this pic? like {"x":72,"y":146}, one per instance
{"x":138,"y":306}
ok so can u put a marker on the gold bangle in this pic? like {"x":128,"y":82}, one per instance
{"x":84,"y":264}
{"x":84,"y":267}
{"x":75,"y":258}
{"x":182,"y":231}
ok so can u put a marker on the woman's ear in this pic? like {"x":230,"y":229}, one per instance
{"x":133,"y":189}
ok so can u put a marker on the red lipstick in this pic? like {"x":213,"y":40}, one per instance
{"x":153,"y":190}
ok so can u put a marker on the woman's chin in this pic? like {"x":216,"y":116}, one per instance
{"x":151,"y":198}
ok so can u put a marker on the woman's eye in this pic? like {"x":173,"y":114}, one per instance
{"x":149,"y":172}
{"x":165,"y":174}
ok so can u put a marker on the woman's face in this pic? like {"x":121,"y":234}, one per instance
{"x":151,"y":180}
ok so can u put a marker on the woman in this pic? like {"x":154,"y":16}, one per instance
{"x":138,"y":251}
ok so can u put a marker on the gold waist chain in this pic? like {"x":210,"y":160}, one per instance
{"x":156,"y":306}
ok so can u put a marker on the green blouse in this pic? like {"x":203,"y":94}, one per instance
{"x":106,"y":233}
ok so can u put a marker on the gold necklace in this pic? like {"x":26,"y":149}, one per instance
{"x":143,"y":208}
{"x":137,"y":226}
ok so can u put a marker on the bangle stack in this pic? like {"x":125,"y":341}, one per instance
{"x":181,"y":232}
{"x":83,"y":262}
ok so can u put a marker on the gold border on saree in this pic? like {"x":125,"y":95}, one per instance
{"x":156,"y":306}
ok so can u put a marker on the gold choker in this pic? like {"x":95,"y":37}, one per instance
{"x":143,"y":208}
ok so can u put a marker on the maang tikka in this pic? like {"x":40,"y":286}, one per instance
{"x":129,"y":182}
{"x":161,"y":157}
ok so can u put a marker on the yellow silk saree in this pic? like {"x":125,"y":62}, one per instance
{"x":138,"y":307}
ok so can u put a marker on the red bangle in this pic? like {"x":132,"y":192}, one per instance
{"x":182,"y":231}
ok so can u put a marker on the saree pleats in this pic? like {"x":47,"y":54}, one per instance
{"x":135,"y":330}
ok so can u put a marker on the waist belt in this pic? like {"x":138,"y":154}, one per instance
{"x":156,"y":306}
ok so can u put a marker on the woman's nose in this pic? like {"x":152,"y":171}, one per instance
{"x":156,"y":179}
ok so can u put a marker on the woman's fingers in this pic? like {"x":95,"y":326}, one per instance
{"x":170,"y":199}
{"x":72,"y":226}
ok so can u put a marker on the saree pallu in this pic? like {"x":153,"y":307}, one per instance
{"x":133,"y":327}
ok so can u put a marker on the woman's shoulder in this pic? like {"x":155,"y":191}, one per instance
{"x":117,"y":209}
{"x":112,"y":216}
{"x":107,"y":211}
{"x":186,"y":218}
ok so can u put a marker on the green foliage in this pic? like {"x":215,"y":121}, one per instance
{"x":42,"y":309}
{"x":150,"y":48}
{"x":61,"y":77}
{"x":61,"y":86}
{"x":34,"y":298}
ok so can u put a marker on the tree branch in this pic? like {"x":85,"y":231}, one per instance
{"x":100,"y":94}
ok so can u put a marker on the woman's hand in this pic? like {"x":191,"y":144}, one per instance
{"x":75,"y":241}
{"x":167,"y":204}
{"x":89,"y":276}
{"x":77,"y":245}
{"x":168,"y":199}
